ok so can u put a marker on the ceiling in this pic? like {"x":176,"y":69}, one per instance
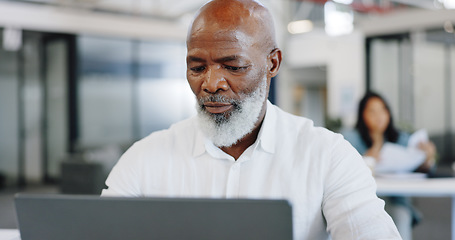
{"x":176,"y":9}
{"x":160,"y":9}
{"x":384,"y":6}
{"x":363,"y":12}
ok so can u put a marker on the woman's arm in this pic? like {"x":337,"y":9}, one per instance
{"x":375,"y":149}
{"x":430,"y":152}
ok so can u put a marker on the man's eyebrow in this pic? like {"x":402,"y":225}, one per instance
{"x":228,"y":58}
{"x":220,"y":60}
{"x":195,"y":59}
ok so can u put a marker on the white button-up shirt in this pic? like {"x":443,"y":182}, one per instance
{"x":330,"y":188}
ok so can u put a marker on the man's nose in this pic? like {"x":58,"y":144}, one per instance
{"x":214,"y":81}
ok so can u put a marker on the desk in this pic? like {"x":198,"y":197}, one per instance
{"x":9,"y":234}
{"x":428,"y":187}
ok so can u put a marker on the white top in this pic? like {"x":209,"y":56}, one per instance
{"x":322,"y":175}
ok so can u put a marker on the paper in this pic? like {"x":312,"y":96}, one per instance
{"x":418,"y":137}
{"x":9,"y":234}
{"x":395,"y":158}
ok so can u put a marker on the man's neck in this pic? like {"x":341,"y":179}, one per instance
{"x":237,"y":149}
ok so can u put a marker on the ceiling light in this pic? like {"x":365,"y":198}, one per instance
{"x":301,"y":26}
{"x":449,"y":4}
{"x":338,"y":20}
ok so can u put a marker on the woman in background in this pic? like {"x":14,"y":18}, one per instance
{"x":374,"y":128}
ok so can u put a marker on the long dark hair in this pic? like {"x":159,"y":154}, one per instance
{"x":390,"y":134}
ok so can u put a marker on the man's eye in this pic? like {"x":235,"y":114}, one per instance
{"x":235,"y":69}
{"x":197,"y":69}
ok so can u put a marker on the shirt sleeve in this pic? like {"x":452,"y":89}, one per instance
{"x":124,"y":179}
{"x":351,"y":206}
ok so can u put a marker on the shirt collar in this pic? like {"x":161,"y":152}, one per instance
{"x":203,"y":145}
{"x":266,"y":136}
{"x":199,"y":141}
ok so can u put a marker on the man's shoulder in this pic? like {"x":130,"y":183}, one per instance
{"x":283,"y":116}
{"x":299,"y":135}
{"x":302,"y":126}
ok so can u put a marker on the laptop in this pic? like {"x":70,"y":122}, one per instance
{"x":89,"y":217}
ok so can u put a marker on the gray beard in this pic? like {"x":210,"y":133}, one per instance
{"x":225,"y":130}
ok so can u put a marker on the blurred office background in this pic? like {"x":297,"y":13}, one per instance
{"x":80,"y":80}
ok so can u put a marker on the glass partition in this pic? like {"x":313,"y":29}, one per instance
{"x":56,"y":97}
{"x":429,"y":90}
{"x":128,"y":89}
{"x":32,"y":100}
{"x":9,"y":114}
{"x":416,"y":74}
{"x":105,"y":91}
{"x":163,"y":94}
{"x":390,"y":75}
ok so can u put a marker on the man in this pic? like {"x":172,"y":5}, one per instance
{"x":241,"y":146}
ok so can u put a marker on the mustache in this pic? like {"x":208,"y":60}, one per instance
{"x":219,"y":118}
{"x":217,"y":98}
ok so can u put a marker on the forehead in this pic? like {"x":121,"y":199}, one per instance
{"x":375,"y":103}
{"x":211,"y":38}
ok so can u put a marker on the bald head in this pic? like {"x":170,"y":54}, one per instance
{"x":246,"y":18}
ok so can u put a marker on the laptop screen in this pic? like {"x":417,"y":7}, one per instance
{"x":56,"y":217}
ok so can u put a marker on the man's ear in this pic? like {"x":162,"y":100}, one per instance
{"x":274,"y":62}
